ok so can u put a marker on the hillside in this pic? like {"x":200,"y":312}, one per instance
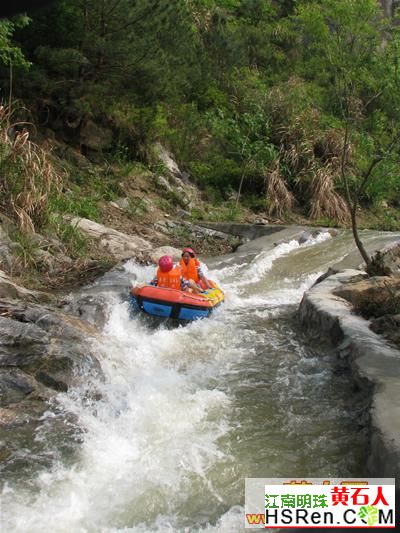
{"x":279,"y":111}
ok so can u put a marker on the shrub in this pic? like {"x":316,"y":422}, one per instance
{"x":29,"y":177}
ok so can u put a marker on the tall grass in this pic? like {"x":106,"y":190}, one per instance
{"x":28,"y":176}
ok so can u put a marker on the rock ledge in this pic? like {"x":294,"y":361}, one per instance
{"x":374,"y":364}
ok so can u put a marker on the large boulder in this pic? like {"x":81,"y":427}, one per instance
{"x":175,"y":182}
{"x":167,"y":159}
{"x":51,"y":347}
{"x":371,"y":292}
{"x":120,"y":245}
{"x":175,"y":253}
{"x":390,"y":256}
{"x":42,"y":353}
{"x":10,"y":289}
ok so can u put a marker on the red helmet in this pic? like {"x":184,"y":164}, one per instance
{"x":166,"y":263}
{"x":190,"y":251}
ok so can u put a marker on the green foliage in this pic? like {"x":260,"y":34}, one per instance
{"x":27,"y":249}
{"x":10,"y":53}
{"x":74,"y":203}
{"x":75,"y":243}
{"x":251,"y":96}
{"x":226,"y":212}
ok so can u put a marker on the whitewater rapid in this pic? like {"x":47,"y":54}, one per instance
{"x":184,"y":414}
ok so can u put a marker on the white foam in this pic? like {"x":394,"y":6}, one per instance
{"x":158,"y":429}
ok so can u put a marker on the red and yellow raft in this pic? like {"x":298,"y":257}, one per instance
{"x":173,"y":303}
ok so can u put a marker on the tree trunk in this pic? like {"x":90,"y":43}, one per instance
{"x":357,"y":239}
{"x":240,"y":189}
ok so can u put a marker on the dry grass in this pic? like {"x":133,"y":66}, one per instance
{"x":309,"y":151}
{"x":324,"y":200}
{"x":279,"y":198}
{"x":28,"y":176}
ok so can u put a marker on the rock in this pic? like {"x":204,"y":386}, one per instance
{"x":120,"y":245}
{"x":9,"y":289}
{"x":161,"y":227}
{"x":167,"y":159}
{"x":95,"y":137}
{"x":52,"y":348}
{"x":304,"y":237}
{"x":14,"y":386}
{"x":374,"y":366}
{"x":120,"y":203}
{"x":165,"y":250}
{"x":20,"y":343}
{"x":74,"y":156}
{"x":201,"y":231}
{"x":91,"y":308}
{"x":391,"y":258}
{"x":188,"y":193}
{"x":388,"y":326}
{"x":182,"y":213}
{"x":330,"y":272}
{"x":48,"y":262}
{"x":185,"y":177}
{"x":261,"y":221}
{"x":171,"y":225}
{"x":164,"y":183}
{"x":372,"y":291}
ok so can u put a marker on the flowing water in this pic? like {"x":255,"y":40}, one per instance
{"x":187,"y":413}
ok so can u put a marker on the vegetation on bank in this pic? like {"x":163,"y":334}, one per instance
{"x":288,"y":109}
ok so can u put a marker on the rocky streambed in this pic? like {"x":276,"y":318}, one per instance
{"x":47,"y":349}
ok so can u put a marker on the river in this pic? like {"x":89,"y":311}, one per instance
{"x":185,"y":414}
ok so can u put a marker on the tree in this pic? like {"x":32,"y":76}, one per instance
{"x":10,"y":53}
{"x":353,"y":52}
{"x":244,"y":135}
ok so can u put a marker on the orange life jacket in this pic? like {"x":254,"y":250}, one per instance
{"x":169,"y":280}
{"x":189,"y":271}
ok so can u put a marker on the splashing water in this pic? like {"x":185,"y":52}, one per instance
{"x":186,"y":414}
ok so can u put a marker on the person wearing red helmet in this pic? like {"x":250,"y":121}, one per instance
{"x":170,"y":276}
{"x":191,"y":268}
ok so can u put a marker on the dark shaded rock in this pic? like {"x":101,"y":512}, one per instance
{"x":304,"y":237}
{"x":51,"y":347}
{"x":92,"y":309}
{"x":42,"y":353}
{"x":20,"y":343}
{"x":95,"y":137}
{"x":388,"y":326}
{"x":14,"y":386}
{"x":329,"y":272}
{"x":49,"y":381}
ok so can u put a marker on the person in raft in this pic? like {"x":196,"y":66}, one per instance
{"x":170,"y":276}
{"x":191,"y":269}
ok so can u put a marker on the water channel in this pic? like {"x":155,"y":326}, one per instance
{"x":185,"y":414}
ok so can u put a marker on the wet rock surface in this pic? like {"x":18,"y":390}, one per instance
{"x":388,"y":326}
{"x":375,"y":365}
{"x":378,"y":299}
{"x":42,"y":352}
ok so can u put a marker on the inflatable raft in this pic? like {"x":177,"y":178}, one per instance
{"x":172,"y":303}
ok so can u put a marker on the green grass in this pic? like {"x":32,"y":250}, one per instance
{"x":74,"y":203}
